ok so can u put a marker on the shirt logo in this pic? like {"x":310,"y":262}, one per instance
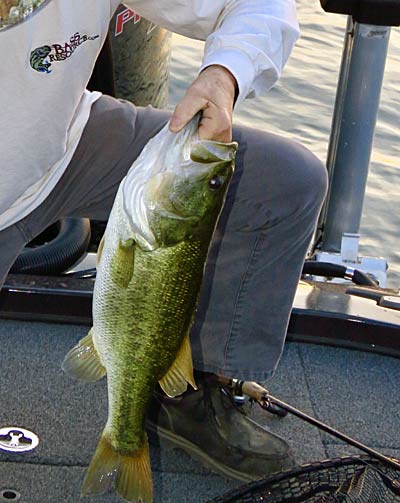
{"x":42,"y":58}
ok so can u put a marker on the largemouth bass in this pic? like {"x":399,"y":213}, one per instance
{"x":150,"y":267}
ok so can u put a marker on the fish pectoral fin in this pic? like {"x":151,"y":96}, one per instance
{"x":180,"y":373}
{"x":122,"y":263}
{"x":133,"y":480}
{"x":83,"y":361}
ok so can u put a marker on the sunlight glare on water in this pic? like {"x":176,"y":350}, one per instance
{"x":300,"y":106}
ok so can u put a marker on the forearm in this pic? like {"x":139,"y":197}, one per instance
{"x":251,"y":38}
{"x":253,"y":41}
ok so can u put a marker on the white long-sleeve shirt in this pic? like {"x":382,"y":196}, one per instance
{"x":46,"y":62}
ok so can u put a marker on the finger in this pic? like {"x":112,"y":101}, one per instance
{"x":185,"y":111}
{"x":215,"y":124}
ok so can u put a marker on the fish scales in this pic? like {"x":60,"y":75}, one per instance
{"x":136,"y":320}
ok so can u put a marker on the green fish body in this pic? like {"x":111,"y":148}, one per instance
{"x":149,"y":273}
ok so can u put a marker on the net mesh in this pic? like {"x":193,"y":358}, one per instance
{"x":355,"y":479}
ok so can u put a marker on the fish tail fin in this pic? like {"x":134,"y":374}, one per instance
{"x":133,"y":480}
{"x":100,"y":474}
{"x":83,"y":361}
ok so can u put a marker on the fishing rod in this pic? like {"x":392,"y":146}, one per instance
{"x":262,"y":396}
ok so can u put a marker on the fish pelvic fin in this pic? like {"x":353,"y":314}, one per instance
{"x":180,"y":373}
{"x":83,"y":361}
{"x":132,"y":474}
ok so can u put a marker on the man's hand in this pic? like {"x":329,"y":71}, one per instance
{"x":213,"y":92}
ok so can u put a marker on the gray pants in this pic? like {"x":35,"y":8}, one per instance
{"x":258,"y":249}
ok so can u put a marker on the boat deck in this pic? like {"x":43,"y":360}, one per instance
{"x":355,"y":392}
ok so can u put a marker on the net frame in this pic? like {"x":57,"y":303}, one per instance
{"x":316,"y":483}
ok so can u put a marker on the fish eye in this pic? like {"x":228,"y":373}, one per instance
{"x":215,"y":182}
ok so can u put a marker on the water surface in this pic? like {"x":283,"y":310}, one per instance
{"x":300,"y":106}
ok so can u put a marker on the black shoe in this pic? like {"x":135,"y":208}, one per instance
{"x":211,"y":427}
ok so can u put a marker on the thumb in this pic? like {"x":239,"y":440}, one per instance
{"x":185,"y":111}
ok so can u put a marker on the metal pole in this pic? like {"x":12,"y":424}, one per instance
{"x":356,"y":107}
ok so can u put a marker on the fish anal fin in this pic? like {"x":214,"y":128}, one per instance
{"x":83,"y":361}
{"x":180,"y":373}
{"x":132,"y":474}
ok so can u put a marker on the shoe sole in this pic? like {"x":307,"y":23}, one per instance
{"x":169,"y":440}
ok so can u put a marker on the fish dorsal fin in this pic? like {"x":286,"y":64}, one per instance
{"x":83,"y":361}
{"x":180,"y":373}
{"x":100,"y":251}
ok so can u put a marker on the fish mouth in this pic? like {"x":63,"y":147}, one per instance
{"x":210,"y":151}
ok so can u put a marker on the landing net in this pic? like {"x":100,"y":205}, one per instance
{"x":355,"y":479}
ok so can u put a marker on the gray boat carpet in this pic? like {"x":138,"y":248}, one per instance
{"x":353,"y":391}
